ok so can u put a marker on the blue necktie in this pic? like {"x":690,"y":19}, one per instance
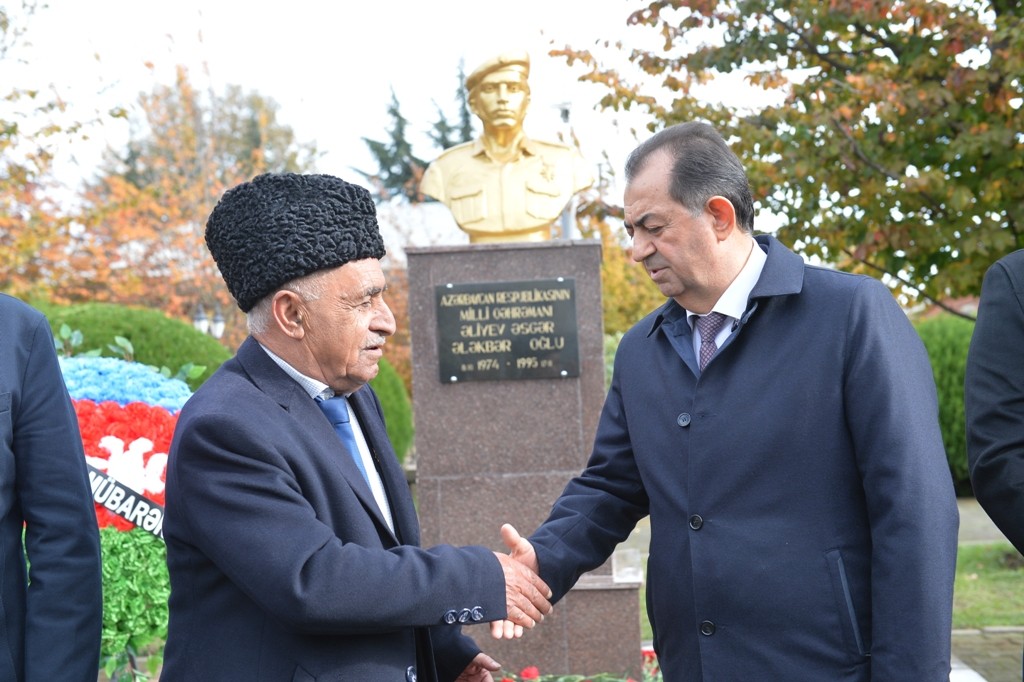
{"x":336,"y":410}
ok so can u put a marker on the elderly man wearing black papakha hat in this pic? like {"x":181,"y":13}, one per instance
{"x":292,"y":546}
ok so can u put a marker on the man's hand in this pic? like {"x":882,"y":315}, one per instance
{"x":523,"y":554}
{"x":479,"y":669}
{"x":522,"y":550}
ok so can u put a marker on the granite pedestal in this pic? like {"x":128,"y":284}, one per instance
{"x":491,"y":449}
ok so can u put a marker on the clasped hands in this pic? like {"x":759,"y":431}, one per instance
{"x":526,"y":595}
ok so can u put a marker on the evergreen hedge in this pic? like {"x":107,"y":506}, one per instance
{"x":156,"y":339}
{"x":394,"y":398}
{"x":947,"y":338}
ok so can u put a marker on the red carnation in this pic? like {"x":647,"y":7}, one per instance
{"x":129,"y":423}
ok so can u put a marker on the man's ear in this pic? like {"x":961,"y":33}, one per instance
{"x":288,"y":311}
{"x":723,"y":214}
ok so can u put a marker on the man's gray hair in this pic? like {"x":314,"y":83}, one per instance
{"x":309,"y":287}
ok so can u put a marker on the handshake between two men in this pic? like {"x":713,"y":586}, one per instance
{"x":526,"y":595}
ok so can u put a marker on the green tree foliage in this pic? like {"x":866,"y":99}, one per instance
{"x":135,"y":591}
{"x":398,"y":169}
{"x":249,"y":138}
{"x":893,"y":141}
{"x":947,"y":338}
{"x":445,"y":134}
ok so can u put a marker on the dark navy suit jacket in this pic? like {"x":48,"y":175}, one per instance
{"x":281,"y":565}
{"x":803,"y":520}
{"x":49,"y":629}
{"x":994,"y":397}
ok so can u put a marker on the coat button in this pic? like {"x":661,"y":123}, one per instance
{"x":683,"y":419}
{"x":464,"y":616}
{"x":707,"y":628}
{"x":410,"y":674}
{"x":450,"y":617}
{"x":477,"y":613}
{"x":696,"y":522}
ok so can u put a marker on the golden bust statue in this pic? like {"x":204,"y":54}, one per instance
{"x":504,"y":186}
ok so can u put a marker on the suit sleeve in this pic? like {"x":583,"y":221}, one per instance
{"x":994,"y":400}
{"x":598,"y":509}
{"x":64,"y":608}
{"x":892,"y":414}
{"x":453,"y":651}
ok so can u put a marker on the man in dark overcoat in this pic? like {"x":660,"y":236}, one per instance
{"x":778,"y":422}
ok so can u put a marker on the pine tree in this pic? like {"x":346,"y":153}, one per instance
{"x":444,"y":134}
{"x":398,"y":169}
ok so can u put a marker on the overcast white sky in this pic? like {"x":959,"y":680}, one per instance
{"x":329,"y":65}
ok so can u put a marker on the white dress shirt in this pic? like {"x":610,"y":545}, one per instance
{"x":733,"y":302}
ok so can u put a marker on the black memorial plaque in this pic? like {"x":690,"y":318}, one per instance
{"x":507,"y":330}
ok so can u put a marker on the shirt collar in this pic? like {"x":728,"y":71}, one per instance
{"x":733,"y":302}
{"x":526,"y":146}
{"x":314,"y":387}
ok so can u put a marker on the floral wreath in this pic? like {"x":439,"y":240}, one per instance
{"x":126,"y":415}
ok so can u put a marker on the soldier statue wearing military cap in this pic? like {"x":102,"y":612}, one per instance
{"x":505,"y":186}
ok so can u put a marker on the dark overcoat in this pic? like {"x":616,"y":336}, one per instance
{"x":51,"y":616}
{"x":281,"y":565}
{"x":994,"y":397}
{"x":803,"y":520}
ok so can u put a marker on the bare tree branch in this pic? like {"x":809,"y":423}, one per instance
{"x":811,"y":48}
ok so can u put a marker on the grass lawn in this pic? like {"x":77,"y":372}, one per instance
{"x":989,"y":588}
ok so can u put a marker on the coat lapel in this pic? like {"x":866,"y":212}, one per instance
{"x":273,"y":381}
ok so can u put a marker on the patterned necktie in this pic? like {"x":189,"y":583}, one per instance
{"x":336,"y":409}
{"x":709,"y":326}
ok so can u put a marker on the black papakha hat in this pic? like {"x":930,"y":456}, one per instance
{"x":281,"y":226}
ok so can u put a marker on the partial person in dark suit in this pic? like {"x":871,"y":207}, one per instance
{"x":51,"y":594}
{"x":803,"y":519}
{"x":994,"y":397}
{"x":293,"y":556}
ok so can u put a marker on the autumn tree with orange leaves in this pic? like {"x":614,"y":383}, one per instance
{"x":893,"y":143}
{"x":139,"y":238}
{"x":32,"y":131}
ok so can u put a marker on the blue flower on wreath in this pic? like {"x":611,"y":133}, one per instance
{"x":123,"y":382}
